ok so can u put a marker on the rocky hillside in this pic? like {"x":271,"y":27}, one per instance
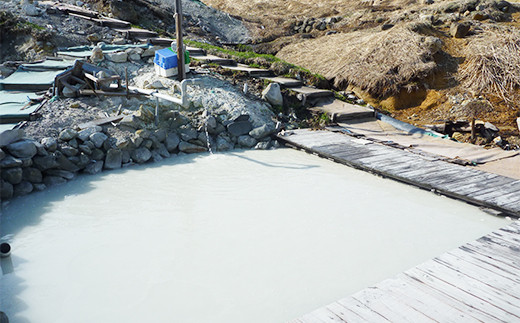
{"x":421,"y":61}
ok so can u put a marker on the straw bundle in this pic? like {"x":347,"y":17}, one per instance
{"x":379,"y":62}
{"x":493,"y":64}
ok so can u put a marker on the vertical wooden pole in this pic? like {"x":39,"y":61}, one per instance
{"x":180,"y":45}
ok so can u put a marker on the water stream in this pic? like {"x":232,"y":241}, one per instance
{"x":254,"y":236}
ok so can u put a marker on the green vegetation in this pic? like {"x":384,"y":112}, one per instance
{"x":31,"y":25}
{"x":246,"y":55}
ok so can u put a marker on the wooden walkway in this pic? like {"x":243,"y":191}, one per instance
{"x":478,"y":282}
{"x":425,"y":171}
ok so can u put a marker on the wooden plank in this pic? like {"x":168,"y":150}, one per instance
{"x":366,"y":313}
{"x":388,"y":306}
{"x":345,"y":314}
{"x":432,"y":307}
{"x":100,"y":122}
{"x":491,"y":295}
{"x":474,"y":307}
{"x":485,"y":275}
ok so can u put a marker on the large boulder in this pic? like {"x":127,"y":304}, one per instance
{"x":262,"y":131}
{"x":45,"y":162}
{"x":189,"y":148}
{"x":54,"y":180}
{"x":9,"y":162}
{"x":22,"y":149}
{"x":113,"y":159}
{"x":172,"y":142}
{"x":31,"y":174}
{"x":84,"y":134}
{"x":459,"y":30}
{"x":247,"y":141}
{"x":119,"y":57}
{"x":23,"y":188}
{"x":50,"y":144}
{"x":10,"y":136}
{"x":239,"y":128}
{"x":98,"y":139}
{"x":273,"y":94}
{"x":12,"y":175}
{"x":141,"y":155}
{"x":67,"y":134}
{"x":6,"y":189}
{"x":94,"y":168}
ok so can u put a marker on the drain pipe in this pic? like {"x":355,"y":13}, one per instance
{"x":5,"y":250}
{"x":183,"y":101}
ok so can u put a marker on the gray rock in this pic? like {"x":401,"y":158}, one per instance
{"x":187,"y":133}
{"x":84,"y":134}
{"x":23,"y":188}
{"x":31,"y":10}
{"x":9,"y":136}
{"x":143,"y":133}
{"x":69,"y":151}
{"x":85,"y":149}
{"x":65,"y":164}
{"x":172,"y":142}
{"x":247,"y":141}
{"x":98,"y":139}
{"x":161,"y":150}
{"x":94,"y":168}
{"x":242,"y":117}
{"x":119,"y":57}
{"x":53,"y":180}
{"x":9,"y":162}
{"x":45,"y":162}
{"x":6,"y":190}
{"x":32,"y":175}
{"x":211,"y":122}
{"x":114,"y":159}
{"x":22,"y":149}
{"x":223,"y":144}
{"x":12,"y":175}
{"x":98,"y":154}
{"x":156,"y":157}
{"x":491,"y":127}
{"x":147,"y":143}
{"x":141,"y":155}
{"x":61,"y":173}
{"x":2,"y":154}
{"x":262,"y":131}
{"x":322,"y":25}
{"x":149,"y":52}
{"x":26,"y":162}
{"x":50,"y":144}
{"x":83,"y":160}
{"x":126,"y":157}
{"x":74,"y":143}
{"x":41,"y":151}
{"x":160,"y":134}
{"x":273,"y":94}
{"x":264,"y":145}
{"x":111,"y":142}
{"x":239,"y":128}
{"x":189,"y":148}
{"x":124,"y":143}
{"x":67,"y":134}
{"x":131,"y":121}
{"x":39,"y":186}
{"x":459,"y":30}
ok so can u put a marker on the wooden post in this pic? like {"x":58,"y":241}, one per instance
{"x":180,"y":45}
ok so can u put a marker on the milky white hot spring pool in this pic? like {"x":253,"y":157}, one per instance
{"x":248,"y":236}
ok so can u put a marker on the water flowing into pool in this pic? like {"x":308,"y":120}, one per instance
{"x":248,"y":236}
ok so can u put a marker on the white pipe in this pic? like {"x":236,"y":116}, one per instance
{"x":183,"y":101}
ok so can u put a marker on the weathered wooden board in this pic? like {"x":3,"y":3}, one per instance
{"x":474,"y":186}
{"x":478,"y":282}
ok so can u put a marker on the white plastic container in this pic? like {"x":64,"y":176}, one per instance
{"x":165,"y":72}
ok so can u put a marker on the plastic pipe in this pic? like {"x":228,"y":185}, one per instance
{"x":5,"y":250}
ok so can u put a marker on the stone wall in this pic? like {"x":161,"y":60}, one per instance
{"x":29,"y":165}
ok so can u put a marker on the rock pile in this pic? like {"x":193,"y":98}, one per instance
{"x":310,"y":24}
{"x":29,"y":165}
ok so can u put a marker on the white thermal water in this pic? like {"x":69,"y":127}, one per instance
{"x":256,"y":236}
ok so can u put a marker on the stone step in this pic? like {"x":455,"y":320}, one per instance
{"x":252,"y":71}
{"x":136,"y":33}
{"x":114,"y":23}
{"x":284,"y":81}
{"x":212,"y":59}
{"x":311,"y":92}
{"x":339,"y":111}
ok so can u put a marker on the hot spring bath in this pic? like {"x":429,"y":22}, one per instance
{"x":254,"y":236}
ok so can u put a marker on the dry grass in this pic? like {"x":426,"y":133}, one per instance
{"x":493,"y":64}
{"x":379,"y":62}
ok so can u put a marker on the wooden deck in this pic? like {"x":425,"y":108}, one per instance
{"x":478,"y":282}
{"x":425,"y":171}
